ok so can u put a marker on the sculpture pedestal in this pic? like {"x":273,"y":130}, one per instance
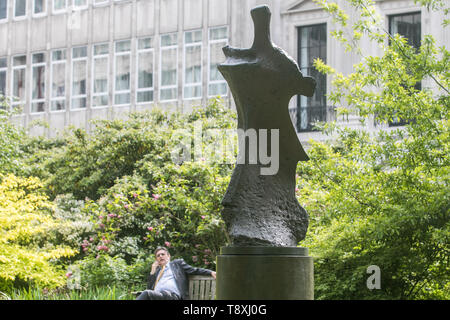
{"x":264,"y":273}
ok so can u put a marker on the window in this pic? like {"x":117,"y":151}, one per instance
{"x":312,"y":44}
{"x":168,"y":67}
{"x":80,"y":4}
{"x":218,"y":38}
{"x":3,"y":70}
{"x":79,"y":72}
{"x":409,"y":26}
{"x":58,"y":80}
{"x":59,"y":5}
{"x":3,"y":10}
{"x":122,"y":70}
{"x":192,"y":64}
{"x":19,"y":64}
{"x":145,"y":59}
{"x":20,"y":8}
{"x":38,"y":82}
{"x":100,"y":75}
{"x":39,"y":6}
{"x":98,"y":2}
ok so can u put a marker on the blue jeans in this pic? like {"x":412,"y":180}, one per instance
{"x":158,"y":295}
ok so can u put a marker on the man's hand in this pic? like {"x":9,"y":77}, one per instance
{"x":213,"y":274}
{"x":154,"y":266}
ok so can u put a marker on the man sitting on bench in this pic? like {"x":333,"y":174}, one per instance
{"x":169,"y":279}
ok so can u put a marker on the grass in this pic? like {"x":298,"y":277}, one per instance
{"x":97,"y":293}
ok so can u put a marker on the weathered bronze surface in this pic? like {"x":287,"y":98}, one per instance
{"x":261,"y":209}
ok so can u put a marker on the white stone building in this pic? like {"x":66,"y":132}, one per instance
{"x":69,"y":61}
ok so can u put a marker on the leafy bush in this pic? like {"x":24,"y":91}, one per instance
{"x":28,"y":252}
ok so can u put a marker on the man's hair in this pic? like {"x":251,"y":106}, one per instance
{"x":161,"y":248}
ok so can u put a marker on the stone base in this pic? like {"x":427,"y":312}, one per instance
{"x":264,"y":273}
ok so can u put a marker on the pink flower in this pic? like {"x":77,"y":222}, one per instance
{"x":111,"y":215}
{"x":126,"y":206}
{"x":102,"y":248}
{"x":150,"y":228}
{"x":297,"y":189}
{"x":135,"y":195}
{"x":203,"y":217}
{"x":194,"y":258}
{"x":68,"y":274}
{"x":156,"y":196}
{"x":101,"y":217}
{"x":167,"y":244}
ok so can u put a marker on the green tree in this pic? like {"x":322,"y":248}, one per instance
{"x":382,"y":198}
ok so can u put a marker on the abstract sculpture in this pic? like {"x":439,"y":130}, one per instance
{"x":261,"y":209}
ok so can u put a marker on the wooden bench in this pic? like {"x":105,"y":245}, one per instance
{"x":200,"y":288}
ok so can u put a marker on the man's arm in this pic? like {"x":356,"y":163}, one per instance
{"x":196,"y":271}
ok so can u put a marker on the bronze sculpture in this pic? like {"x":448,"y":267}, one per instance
{"x":261,"y":209}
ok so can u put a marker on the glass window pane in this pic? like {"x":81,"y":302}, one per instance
{"x":78,"y":103}
{"x":19,"y":84}
{"x":218,"y":33}
{"x":145,"y":70}
{"x":217,"y":89}
{"x":3,"y":7}
{"x":101,"y":49}
{"x":216,"y":57}
{"x":100,"y":75}
{"x":99,"y":101}
{"x":58,"y":105}
{"x":168,"y":94}
{"x":79,"y":3}
{"x":123,"y":46}
{"x":79,"y":78}
{"x":58,"y":80}
{"x":122,"y":98}
{"x":122,"y":72}
{"x":193,"y":92}
{"x":20,"y":8}
{"x":169,"y":67}
{"x":38,"y":107}
{"x":145,"y":96}
{"x":3,"y":63}
{"x":79,"y":52}
{"x":38,"y":58}
{"x":38,"y":84}
{"x":169,"y":40}
{"x":59,"y":4}
{"x":193,"y":36}
{"x":19,"y":61}
{"x":59,"y":55}
{"x":145,"y":43}
{"x":39,"y":6}
{"x":3,"y":82}
{"x":193,"y":69}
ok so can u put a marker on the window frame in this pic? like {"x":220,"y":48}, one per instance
{"x":40,"y":14}
{"x":97,"y":57}
{"x":147,"y":89}
{"x":174,"y":86}
{"x":225,"y":42}
{"x":5,"y":19}
{"x":193,"y":84}
{"x":5,"y":70}
{"x":23,"y":17}
{"x":128,"y":91}
{"x":59,"y":11}
{"x":78,"y":96}
{"x":13,"y":69}
{"x":58,"y":98}
{"x":38,"y":100}
{"x":301,"y":98}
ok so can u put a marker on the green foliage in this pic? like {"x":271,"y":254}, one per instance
{"x":28,"y":253}
{"x":383,"y":198}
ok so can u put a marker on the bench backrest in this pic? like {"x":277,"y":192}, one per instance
{"x":202,"y":288}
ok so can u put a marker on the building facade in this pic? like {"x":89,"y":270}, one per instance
{"x":70,"y":61}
